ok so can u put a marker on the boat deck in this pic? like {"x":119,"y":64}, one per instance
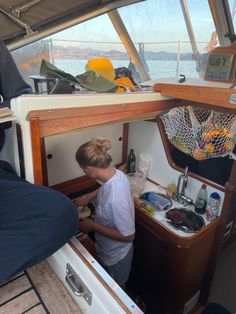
{"x":36,"y":291}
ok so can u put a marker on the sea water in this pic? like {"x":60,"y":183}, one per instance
{"x":157,"y":69}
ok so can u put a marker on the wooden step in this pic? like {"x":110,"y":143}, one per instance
{"x":36,"y":291}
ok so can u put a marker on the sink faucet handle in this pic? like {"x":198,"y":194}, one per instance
{"x":186,"y":171}
{"x":184,"y":181}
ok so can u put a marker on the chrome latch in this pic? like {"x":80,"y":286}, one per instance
{"x":77,"y":285}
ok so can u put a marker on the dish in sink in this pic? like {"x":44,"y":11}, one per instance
{"x":184,"y":219}
{"x":160,"y":202}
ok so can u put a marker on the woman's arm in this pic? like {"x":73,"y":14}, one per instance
{"x":87,"y":225}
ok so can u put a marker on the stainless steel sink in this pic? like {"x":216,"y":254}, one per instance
{"x":184,"y":219}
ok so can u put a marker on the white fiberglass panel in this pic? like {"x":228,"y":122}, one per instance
{"x":145,"y":137}
{"x":96,"y":279}
{"x":23,"y":105}
{"x":61,"y":149}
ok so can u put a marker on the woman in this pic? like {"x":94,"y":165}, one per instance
{"x":114,"y":224}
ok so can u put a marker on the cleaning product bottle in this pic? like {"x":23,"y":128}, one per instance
{"x":213,"y":206}
{"x":131,"y":161}
{"x":201,"y":200}
{"x":171,"y":189}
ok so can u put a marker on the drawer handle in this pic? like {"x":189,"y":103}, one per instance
{"x":77,"y":285}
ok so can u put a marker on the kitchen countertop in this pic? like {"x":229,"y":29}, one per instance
{"x":160,"y":216}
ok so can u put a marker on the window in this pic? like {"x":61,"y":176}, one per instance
{"x":162,"y":40}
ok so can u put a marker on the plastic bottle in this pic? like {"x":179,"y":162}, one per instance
{"x":213,"y":206}
{"x":144,"y":164}
{"x":131,"y":161}
{"x":201,"y":200}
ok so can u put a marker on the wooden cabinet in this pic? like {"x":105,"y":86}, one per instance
{"x":168,"y":270}
{"x":150,"y":253}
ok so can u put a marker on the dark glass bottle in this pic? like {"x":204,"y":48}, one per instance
{"x":131,"y":162}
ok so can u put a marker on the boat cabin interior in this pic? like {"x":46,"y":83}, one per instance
{"x":179,"y":114}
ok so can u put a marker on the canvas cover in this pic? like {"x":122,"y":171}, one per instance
{"x":35,"y":221}
{"x":21,"y":19}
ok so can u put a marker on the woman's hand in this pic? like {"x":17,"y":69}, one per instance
{"x":86,"y":225}
{"x":85,"y":199}
{"x":82,"y":201}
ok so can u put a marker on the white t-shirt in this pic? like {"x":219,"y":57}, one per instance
{"x":115,"y":209}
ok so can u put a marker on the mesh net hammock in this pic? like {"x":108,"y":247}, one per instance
{"x":201,"y":133}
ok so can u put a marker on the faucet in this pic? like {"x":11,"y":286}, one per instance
{"x":181,"y":187}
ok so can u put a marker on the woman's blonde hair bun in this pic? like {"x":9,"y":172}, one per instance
{"x":103,"y":143}
{"x":94,"y":153}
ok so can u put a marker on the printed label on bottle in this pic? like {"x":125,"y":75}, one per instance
{"x":200,"y":206}
{"x":132,"y":166}
{"x":212,"y":208}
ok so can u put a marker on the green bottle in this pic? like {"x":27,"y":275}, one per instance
{"x":131,"y":161}
{"x":201,"y":200}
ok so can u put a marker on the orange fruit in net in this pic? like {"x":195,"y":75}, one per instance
{"x":229,"y":145}
{"x":199,"y":154}
{"x":209,"y":148}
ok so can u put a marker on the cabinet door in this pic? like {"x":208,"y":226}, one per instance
{"x":229,"y":221}
{"x":146,"y":279}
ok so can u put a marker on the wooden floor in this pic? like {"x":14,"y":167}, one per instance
{"x":36,"y":291}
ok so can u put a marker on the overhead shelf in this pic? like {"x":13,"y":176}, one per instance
{"x":216,"y":94}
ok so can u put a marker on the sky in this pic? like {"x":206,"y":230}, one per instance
{"x":157,"y":23}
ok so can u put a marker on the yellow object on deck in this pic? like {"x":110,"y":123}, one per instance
{"x":103,"y":66}
{"x":125,"y":83}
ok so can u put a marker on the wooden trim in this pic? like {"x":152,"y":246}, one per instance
{"x":89,"y":244}
{"x":125,"y":142}
{"x":75,"y":185}
{"x":57,"y":121}
{"x":210,"y":95}
{"x":184,"y":103}
{"x":45,"y":123}
{"x":226,"y":49}
{"x":36,"y":150}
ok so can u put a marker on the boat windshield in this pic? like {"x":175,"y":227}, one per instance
{"x":171,"y":38}
{"x":232,"y":5}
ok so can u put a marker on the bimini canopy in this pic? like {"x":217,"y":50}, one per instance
{"x":24,"y":21}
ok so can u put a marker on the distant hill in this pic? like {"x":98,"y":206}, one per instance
{"x":61,"y":52}
{"x":164,"y":55}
